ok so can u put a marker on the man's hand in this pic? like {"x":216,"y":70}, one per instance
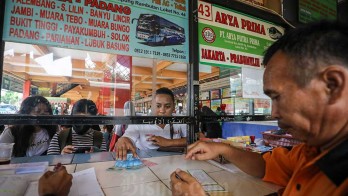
{"x":122,"y":146}
{"x":204,"y":150}
{"x":55,"y":183}
{"x":160,"y":141}
{"x":184,"y":184}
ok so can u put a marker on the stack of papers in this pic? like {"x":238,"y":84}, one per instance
{"x":23,"y":168}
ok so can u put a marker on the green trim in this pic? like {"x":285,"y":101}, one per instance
{"x":220,"y":65}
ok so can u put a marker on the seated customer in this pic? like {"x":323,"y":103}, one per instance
{"x":79,"y":136}
{"x":30,"y":140}
{"x":153,"y":136}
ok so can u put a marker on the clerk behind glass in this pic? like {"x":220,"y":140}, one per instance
{"x":153,"y":136}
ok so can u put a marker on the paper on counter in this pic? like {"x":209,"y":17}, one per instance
{"x":13,"y":185}
{"x":23,"y":168}
{"x":84,"y":184}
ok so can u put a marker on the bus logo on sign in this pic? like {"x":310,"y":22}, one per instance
{"x":208,"y":35}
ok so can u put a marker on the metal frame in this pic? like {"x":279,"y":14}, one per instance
{"x":193,"y":117}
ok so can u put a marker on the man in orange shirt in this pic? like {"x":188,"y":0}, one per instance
{"x":307,"y":79}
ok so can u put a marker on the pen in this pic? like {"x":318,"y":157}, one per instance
{"x":56,"y":168}
{"x":177,"y":176}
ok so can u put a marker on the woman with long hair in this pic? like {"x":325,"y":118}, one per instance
{"x":30,"y":140}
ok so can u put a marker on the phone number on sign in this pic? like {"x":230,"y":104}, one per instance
{"x":175,"y":56}
{"x":156,"y":53}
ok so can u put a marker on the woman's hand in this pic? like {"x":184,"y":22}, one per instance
{"x":69,"y":149}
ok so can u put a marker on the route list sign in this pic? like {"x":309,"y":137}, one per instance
{"x":145,"y":28}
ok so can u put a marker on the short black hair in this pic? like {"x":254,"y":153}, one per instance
{"x":310,"y":47}
{"x":84,"y":106}
{"x":165,"y":91}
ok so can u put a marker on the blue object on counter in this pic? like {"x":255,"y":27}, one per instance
{"x":130,"y":163}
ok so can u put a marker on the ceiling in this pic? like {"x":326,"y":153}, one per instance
{"x":45,"y":66}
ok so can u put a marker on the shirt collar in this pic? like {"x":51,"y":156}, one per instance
{"x":334,"y":164}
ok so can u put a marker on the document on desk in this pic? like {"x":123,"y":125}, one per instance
{"x":208,"y":183}
{"x":13,"y":185}
{"x":84,"y":184}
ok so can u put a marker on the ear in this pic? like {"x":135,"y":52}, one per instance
{"x":335,"y":78}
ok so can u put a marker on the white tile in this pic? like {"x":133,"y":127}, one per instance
{"x":115,"y":178}
{"x":144,"y":189}
{"x":168,"y":164}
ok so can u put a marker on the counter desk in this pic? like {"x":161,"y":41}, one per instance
{"x":154,"y":179}
{"x":232,"y":129}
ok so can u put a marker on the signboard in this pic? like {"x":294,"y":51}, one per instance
{"x":252,"y":83}
{"x":215,"y":94}
{"x":204,"y":95}
{"x":233,"y":39}
{"x":215,"y":104}
{"x":315,"y":10}
{"x":145,"y":28}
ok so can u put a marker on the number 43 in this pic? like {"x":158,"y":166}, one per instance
{"x":204,"y":10}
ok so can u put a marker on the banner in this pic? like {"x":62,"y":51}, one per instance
{"x":145,"y":28}
{"x":233,"y":39}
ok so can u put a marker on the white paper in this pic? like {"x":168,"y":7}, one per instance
{"x":84,"y":184}
{"x":13,"y":185}
{"x":213,"y":187}
{"x":202,"y":177}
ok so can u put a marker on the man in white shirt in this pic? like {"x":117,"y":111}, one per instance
{"x":153,"y":136}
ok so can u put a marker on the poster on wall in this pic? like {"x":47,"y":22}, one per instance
{"x":144,"y":28}
{"x":226,"y":92}
{"x":229,"y":105}
{"x":204,"y":95}
{"x":229,"y":38}
{"x":252,"y":83}
{"x":215,"y":94}
{"x":262,"y":106}
{"x":215,"y":104}
{"x":206,"y":103}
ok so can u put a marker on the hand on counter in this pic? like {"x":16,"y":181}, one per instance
{"x":68,"y":149}
{"x":159,"y":141}
{"x":123,"y":145}
{"x":204,"y":150}
{"x":55,"y":183}
{"x":183,"y":183}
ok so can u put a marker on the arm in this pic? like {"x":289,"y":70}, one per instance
{"x":163,"y":142}
{"x":249,"y":162}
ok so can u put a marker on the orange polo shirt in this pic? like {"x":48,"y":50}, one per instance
{"x":306,"y":171}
